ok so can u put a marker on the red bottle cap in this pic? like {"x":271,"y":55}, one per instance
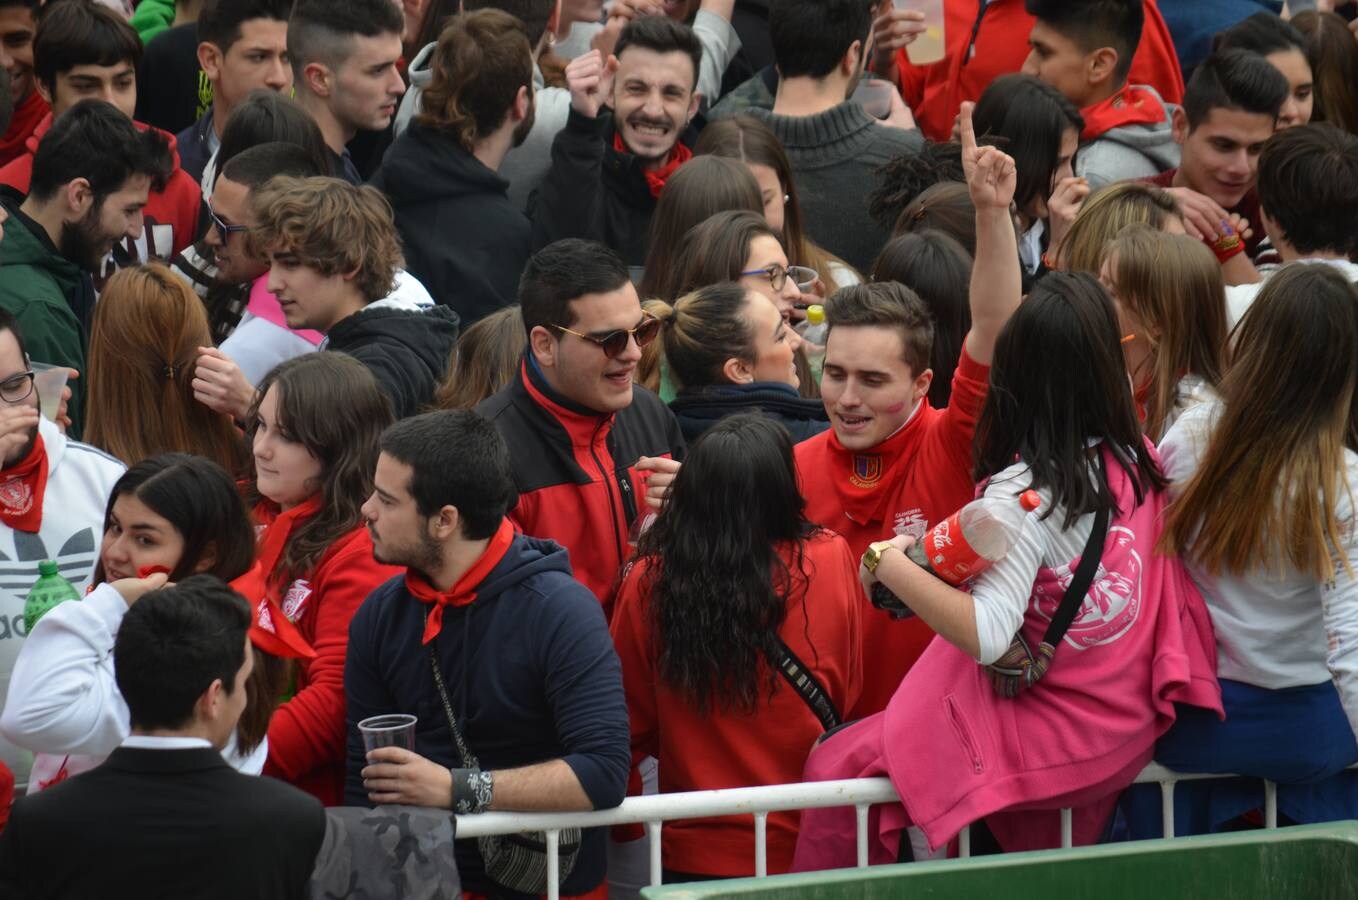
{"x":1030,"y":500}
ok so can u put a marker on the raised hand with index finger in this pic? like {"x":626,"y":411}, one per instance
{"x":992,"y":176}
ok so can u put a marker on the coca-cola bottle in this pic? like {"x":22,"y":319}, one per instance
{"x":964,"y":545}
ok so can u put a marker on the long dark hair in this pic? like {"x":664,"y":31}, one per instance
{"x":938,"y":268}
{"x":1027,"y":119}
{"x":199,"y":499}
{"x":1058,"y":380}
{"x":718,"y":586}
{"x":343,"y":440}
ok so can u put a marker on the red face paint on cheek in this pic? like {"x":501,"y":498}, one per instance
{"x":892,"y":410}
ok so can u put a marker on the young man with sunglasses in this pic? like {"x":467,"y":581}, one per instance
{"x":588,"y":448}
{"x":53,"y":491}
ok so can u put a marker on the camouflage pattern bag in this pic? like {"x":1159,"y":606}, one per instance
{"x":390,"y":851}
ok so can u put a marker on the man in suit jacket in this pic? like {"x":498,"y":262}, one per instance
{"x":165,"y":816}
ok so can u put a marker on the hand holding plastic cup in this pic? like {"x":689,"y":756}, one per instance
{"x":49,"y":381}
{"x":874,"y":95}
{"x":928,"y":46}
{"x":390,"y":730}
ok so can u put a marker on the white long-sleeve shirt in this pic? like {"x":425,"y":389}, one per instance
{"x":64,"y":703}
{"x":1277,"y":629}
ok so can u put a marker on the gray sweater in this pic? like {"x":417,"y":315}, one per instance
{"x":835,"y":157}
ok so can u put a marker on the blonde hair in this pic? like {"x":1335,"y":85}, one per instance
{"x":1268,"y":487}
{"x":1103,"y":217}
{"x":1173,"y":284}
{"x":331,"y":226}
{"x":486,"y":358}
{"x":148,"y":326}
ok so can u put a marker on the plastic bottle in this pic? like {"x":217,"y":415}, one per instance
{"x":965,"y":544}
{"x":49,"y":590}
{"x":813,"y":338}
{"x":929,"y":46}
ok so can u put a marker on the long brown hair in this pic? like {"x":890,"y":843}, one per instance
{"x":754,"y":143}
{"x":1267,"y":489}
{"x":148,"y":326}
{"x":1103,"y":217}
{"x":331,"y":404}
{"x":1173,"y":284}
{"x":1336,"y":67}
{"x":485,"y":359}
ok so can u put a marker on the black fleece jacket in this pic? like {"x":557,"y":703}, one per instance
{"x":407,"y":351}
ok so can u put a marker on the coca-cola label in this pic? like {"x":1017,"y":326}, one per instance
{"x":950,"y":556}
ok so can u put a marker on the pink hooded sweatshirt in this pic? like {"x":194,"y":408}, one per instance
{"x":957,"y":752}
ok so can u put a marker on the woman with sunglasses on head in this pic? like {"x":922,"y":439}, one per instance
{"x":728,"y":350}
{"x":313,"y":469}
{"x":168,"y":517}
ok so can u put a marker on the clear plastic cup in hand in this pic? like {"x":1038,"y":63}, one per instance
{"x":874,"y":95}
{"x":49,"y":381}
{"x":390,"y":730}
{"x":928,"y":46}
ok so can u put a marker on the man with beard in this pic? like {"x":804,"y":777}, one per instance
{"x":463,"y":238}
{"x":52,"y":496}
{"x":608,"y":169}
{"x":91,"y":177}
{"x":521,"y":655}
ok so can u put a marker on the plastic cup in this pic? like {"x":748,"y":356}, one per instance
{"x":874,"y":95}
{"x":391,"y":730}
{"x":49,"y":381}
{"x":928,"y":46}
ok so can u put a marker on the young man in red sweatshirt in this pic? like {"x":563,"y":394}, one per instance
{"x":18,"y":23}
{"x":83,"y":51}
{"x":891,"y":463}
{"x":986,"y":39}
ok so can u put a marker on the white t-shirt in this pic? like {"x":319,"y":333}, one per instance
{"x":1239,"y":297}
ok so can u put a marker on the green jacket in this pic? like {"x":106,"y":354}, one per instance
{"x":35,"y":282}
{"x":152,"y":17}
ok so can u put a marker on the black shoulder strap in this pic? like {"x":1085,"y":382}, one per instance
{"x":806,"y":685}
{"x":1084,"y":576}
{"x":468,"y":760}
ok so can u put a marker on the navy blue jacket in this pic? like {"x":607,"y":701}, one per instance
{"x":700,"y":409}
{"x":531,"y":674}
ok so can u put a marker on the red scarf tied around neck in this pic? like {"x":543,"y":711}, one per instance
{"x":22,"y":487}
{"x":656,"y":179}
{"x":464,"y":592}
{"x":1129,"y":106}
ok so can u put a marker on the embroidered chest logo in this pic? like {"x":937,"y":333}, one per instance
{"x":911,"y":522}
{"x":867,"y":471}
{"x":16,"y":496}
{"x":1114,"y":600}
{"x":294,"y":601}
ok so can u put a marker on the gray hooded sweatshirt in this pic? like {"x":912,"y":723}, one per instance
{"x":1130,"y":152}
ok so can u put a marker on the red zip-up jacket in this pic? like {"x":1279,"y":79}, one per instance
{"x":986,"y":40}
{"x":575,"y":470}
{"x":171,"y":214}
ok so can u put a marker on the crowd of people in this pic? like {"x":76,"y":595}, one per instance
{"x":585,"y":380}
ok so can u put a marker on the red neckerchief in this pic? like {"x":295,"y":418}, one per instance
{"x":278,"y":527}
{"x":27,"y":115}
{"x":866,"y":481}
{"x":656,"y":179}
{"x":22,"y":486}
{"x":464,"y":592}
{"x":1129,"y":106}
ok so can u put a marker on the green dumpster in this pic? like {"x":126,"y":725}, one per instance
{"x":1312,"y":862}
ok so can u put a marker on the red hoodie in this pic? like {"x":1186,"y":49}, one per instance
{"x":27,"y":116}
{"x":998,"y":38}
{"x":171,"y":215}
{"x":912,"y":480}
{"x":307,"y":733}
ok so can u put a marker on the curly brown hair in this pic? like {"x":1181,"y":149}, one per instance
{"x":331,"y":226}
{"x":481,"y":62}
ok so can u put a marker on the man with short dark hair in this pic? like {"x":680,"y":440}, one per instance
{"x":84,"y":51}
{"x":1308,"y":203}
{"x":1230,"y":111}
{"x":242,"y":46}
{"x":522,"y":653}
{"x":18,"y":24}
{"x":587,"y":446}
{"x":182,"y":659}
{"x":344,"y":57}
{"x":463,"y":238}
{"x":1084,"y":49}
{"x":92,"y":175}
{"x":609,"y":166}
{"x":835,"y":147}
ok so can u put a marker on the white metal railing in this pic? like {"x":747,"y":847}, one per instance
{"x":653,"y":810}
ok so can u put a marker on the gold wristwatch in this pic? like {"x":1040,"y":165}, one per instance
{"x":872,"y":557}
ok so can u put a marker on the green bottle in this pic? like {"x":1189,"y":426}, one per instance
{"x":49,"y":590}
